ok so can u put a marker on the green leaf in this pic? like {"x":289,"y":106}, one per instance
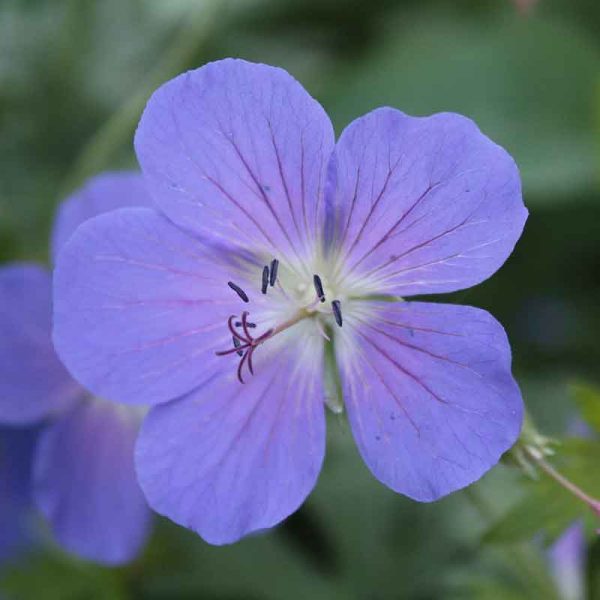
{"x":261,"y":566}
{"x":513,"y":572}
{"x":382,"y":540}
{"x":546,"y":506}
{"x":593,"y":570}
{"x":54,"y":576}
{"x":587,"y":399}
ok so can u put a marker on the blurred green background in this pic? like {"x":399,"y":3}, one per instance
{"x":74,"y":76}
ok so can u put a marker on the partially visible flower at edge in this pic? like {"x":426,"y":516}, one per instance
{"x":83,"y":478}
{"x":567,"y":562}
{"x":271,"y":276}
{"x":16,"y":510}
{"x":567,"y":556}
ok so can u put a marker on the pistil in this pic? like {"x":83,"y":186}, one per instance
{"x":244,"y":344}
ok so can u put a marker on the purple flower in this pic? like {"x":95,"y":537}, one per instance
{"x":567,"y":558}
{"x":83,"y":473}
{"x":276,"y":258}
{"x":16,"y":450}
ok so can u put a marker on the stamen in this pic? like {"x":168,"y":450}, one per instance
{"x":248,"y":324}
{"x":273,"y":274}
{"x":237,"y":344}
{"x":265,"y":280}
{"x":319,"y":288}
{"x":239,"y":291}
{"x":336,"y":305}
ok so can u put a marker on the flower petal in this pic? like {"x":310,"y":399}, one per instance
{"x":238,"y":151}
{"x":100,"y":194}
{"x":423,"y":205}
{"x":567,"y":558}
{"x":429,"y":393}
{"x":139,"y":311}
{"x":33,"y":382}
{"x":16,"y":450}
{"x":233,"y":458}
{"x":85,"y":484}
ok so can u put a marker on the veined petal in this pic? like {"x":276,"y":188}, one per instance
{"x":139,"y":309}
{"x":100,"y":194}
{"x":85,"y":483}
{"x":238,"y":151}
{"x":429,"y":394}
{"x":423,"y":205}
{"x":33,"y":382}
{"x":230,"y":459}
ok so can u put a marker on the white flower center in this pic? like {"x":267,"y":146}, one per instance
{"x":290,"y":303}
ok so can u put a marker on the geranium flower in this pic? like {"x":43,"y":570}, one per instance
{"x":83,"y":473}
{"x":271,"y":275}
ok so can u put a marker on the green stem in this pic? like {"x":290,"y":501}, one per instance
{"x":547,"y":468}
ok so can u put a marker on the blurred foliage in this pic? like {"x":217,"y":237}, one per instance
{"x":587,"y":399}
{"x":74,"y":75}
{"x":55,"y":577}
{"x":547,"y":507}
{"x":532,"y":89}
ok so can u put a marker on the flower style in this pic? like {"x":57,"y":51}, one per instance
{"x":83,"y":473}
{"x":272,"y":275}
